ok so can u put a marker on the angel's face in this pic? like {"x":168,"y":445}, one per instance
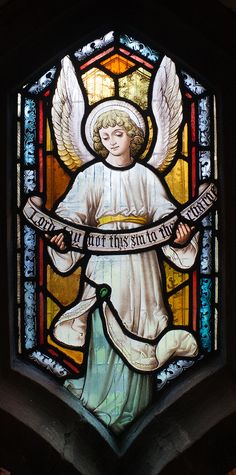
{"x":116,"y":141}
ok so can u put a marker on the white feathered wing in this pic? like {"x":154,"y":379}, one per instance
{"x":168,"y":114}
{"x":67,"y":113}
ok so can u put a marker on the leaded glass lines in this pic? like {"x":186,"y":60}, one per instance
{"x":113,"y":67}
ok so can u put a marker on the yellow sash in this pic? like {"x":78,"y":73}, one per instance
{"x":120,"y":217}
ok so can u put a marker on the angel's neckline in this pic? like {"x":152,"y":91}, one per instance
{"x":127,"y":166}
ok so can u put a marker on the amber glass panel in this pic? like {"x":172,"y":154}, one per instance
{"x":57,"y":180}
{"x":179,"y":304}
{"x":52,"y":311}
{"x":117,"y":64}
{"x":49,"y":143}
{"x":150,"y":138}
{"x":173,"y":277}
{"x":177,"y":181}
{"x":63,"y":288}
{"x":76,"y":355}
{"x":185,"y":140}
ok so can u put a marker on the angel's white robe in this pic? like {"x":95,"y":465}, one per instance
{"x":99,"y":193}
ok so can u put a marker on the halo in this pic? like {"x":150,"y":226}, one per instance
{"x":112,"y":105}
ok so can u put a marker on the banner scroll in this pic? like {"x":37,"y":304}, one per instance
{"x":86,"y":238}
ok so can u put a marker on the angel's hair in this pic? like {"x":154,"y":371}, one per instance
{"x":111,"y":119}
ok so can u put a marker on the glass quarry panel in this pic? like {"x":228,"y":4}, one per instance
{"x":98,"y":85}
{"x":135,"y":87}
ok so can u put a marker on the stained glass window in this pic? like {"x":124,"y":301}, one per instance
{"x":117,"y":225}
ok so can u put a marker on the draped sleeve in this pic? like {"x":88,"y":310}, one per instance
{"x":78,"y":206}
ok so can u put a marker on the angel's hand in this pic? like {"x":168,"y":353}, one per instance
{"x":183,"y":233}
{"x":58,"y":240}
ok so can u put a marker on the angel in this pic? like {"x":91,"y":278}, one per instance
{"x":120,"y":313}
